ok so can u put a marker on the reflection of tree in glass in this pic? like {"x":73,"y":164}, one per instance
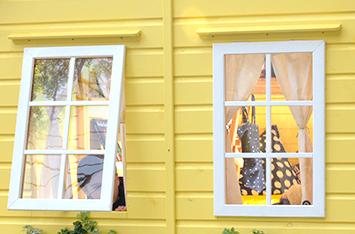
{"x":50,"y":79}
{"x":92,"y":78}
{"x":49,"y":83}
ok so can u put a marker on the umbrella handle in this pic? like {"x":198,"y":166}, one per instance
{"x":253,"y":117}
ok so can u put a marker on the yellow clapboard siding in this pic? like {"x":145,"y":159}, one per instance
{"x":151,"y":39}
{"x":289,"y":228}
{"x":6,"y":151}
{"x":148,"y":178}
{"x":194,"y":149}
{"x":154,"y":206}
{"x":198,"y":207}
{"x":134,"y":226}
{"x":203,"y":9}
{"x":199,"y":177}
{"x":54,"y":11}
{"x":199,"y":90}
{"x":144,"y":150}
{"x":145,"y":121}
{"x":144,"y":92}
{"x":193,"y":120}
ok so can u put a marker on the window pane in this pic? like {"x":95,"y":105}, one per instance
{"x":46,"y":125}
{"x":292,"y":129}
{"x":50,"y":79}
{"x":83,"y":177}
{"x":92,"y":79}
{"x":291,"y":76}
{"x":87,"y":127}
{"x":41,"y":176}
{"x":243,"y":128}
{"x":286,"y":181}
{"x":244,"y":75}
{"x":250,"y":174}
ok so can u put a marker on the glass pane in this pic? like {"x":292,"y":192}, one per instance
{"x":50,"y":79}
{"x":286,"y":135}
{"x":83,"y":177}
{"x":251,"y":177}
{"x":286,"y":181}
{"x":46,"y":126}
{"x":92,"y":79}
{"x":243,"y":128}
{"x":244,"y":75}
{"x":87,"y":127}
{"x":41,"y":176}
{"x":291,"y":77}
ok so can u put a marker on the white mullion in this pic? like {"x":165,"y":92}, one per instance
{"x":66,"y":127}
{"x":268,"y":155}
{"x":268,"y":128}
{"x":56,"y":152}
{"x":69,"y":102}
{"x":264,"y":103}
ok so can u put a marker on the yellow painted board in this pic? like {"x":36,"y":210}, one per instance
{"x":8,"y":118}
{"x":203,"y":9}
{"x":153,"y":206}
{"x":30,"y":11}
{"x":289,"y":228}
{"x":144,"y":120}
{"x":144,"y":92}
{"x":145,"y":179}
{"x":146,"y":149}
{"x":6,"y":146}
{"x":192,"y":206}
{"x":193,"y":120}
{"x":150,"y":39}
{"x":267,"y":29}
{"x":186,"y":36}
{"x":199,"y":178}
{"x":194,"y":148}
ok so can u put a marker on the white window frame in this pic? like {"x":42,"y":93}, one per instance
{"x":15,"y":202}
{"x":219,"y":51}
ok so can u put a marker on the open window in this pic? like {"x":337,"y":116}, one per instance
{"x":70,"y":134}
{"x":269,"y":128}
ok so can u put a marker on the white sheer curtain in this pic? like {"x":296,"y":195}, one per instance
{"x":241,"y":75}
{"x":294,"y":74}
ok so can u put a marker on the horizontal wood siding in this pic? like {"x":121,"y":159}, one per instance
{"x":147,"y":131}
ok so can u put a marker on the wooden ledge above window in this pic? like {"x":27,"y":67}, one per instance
{"x":243,"y":30}
{"x":120,"y":34}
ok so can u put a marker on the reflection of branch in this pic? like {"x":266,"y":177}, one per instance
{"x":42,"y":185}
{"x":43,"y":164}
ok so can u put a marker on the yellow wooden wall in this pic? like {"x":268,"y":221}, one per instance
{"x":169,"y":106}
